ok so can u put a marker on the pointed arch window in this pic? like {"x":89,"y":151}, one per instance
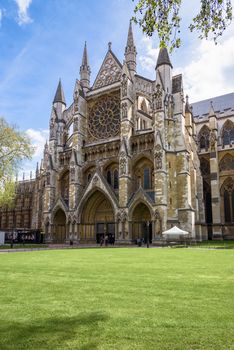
{"x":228,"y":133}
{"x":112,"y":175}
{"x":108,"y":177}
{"x":227,"y":163}
{"x":204,"y":138}
{"x":146,"y":184}
{"x":116,"y":179}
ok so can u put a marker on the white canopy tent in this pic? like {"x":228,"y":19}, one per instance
{"x":175,"y":233}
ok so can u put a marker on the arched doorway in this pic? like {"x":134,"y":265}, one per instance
{"x":59,"y":227}
{"x":97,"y":219}
{"x":141,"y":223}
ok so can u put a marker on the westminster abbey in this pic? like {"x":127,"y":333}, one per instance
{"x":131,"y":154}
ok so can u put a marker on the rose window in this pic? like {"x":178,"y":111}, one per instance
{"x":104,"y":118}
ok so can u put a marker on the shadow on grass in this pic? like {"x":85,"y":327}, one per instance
{"x":81,"y":332}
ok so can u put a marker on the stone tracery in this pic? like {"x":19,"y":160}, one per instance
{"x":104,"y":118}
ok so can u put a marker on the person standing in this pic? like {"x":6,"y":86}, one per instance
{"x":106,"y":240}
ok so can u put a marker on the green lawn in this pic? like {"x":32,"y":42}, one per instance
{"x":226,"y":244}
{"x":117,"y":299}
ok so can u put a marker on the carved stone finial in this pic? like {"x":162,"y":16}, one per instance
{"x":109,"y":45}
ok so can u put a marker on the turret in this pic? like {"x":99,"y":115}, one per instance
{"x":59,"y":100}
{"x":85,"y":70}
{"x":163,"y":68}
{"x":130,"y":52}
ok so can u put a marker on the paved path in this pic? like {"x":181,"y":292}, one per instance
{"x":61,"y":246}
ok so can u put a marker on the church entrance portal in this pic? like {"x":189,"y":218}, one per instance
{"x":97,"y":219}
{"x":141,"y":223}
{"x":59,"y":227}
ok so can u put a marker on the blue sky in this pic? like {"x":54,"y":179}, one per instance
{"x":42,"y":41}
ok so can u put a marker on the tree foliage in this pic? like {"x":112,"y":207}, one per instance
{"x":163,"y":17}
{"x":15,"y":146}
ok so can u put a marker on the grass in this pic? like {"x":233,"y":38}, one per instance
{"x":227,"y":244}
{"x":117,"y":299}
{"x":24,"y":246}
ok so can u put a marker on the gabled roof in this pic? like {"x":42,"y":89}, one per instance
{"x":110,"y":71}
{"x":220,"y":104}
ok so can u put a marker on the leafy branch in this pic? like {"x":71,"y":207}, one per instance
{"x":163,"y":17}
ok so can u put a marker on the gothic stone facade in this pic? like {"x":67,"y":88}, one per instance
{"x":125,"y":158}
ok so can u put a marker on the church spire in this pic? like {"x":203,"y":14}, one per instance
{"x":163,"y":58}
{"x":163,"y":69}
{"x":85,"y":69}
{"x":59,"y":95}
{"x":130,"y":51}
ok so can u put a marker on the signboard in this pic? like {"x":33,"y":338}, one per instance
{"x":2,"y":237}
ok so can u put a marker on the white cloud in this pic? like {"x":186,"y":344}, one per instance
{"x":23,"y":6}
{"x":38,"y":139}
{"x":210,"y":68}
{"x":149,"y":58}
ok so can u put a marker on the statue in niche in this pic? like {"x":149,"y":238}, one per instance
{"x":158,"y":159}
{"x":157,"y":98}
{"x":213,"y":140}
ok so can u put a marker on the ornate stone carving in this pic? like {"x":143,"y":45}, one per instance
{"x":157,"y":98}
{"x":158,"y":157}
{"x":104,"y":118}
{"x":213,"y":140}
{"x":122,"y":216}
{"x":48,"y":178}
{"x":75,"y":124}
{"x":171,"y":107}
{"x":95,"y":180}
{"x":158,"y":147}
{"x":109,"y":74}
{"x":157,"y":215}
{"x":124,"y":85}
{"x":65,"y":136}
{"x":52,"y":129}
{"x":124,"y":110}
{"x":72,"y":172}
{"x":123,"y":163}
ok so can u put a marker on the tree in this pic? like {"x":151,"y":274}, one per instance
{"x":163,"y":17}
{"x":15,"y":146}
